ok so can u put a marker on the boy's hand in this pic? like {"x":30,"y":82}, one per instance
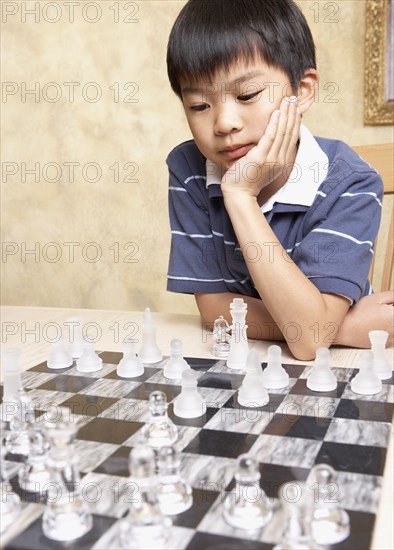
{"x":373,"y":312}
{"x":272,"y":156}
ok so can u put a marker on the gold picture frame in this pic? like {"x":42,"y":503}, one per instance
{"x":379,"y":100}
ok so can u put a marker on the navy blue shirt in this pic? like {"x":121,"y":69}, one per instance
{"x":331,"y":239}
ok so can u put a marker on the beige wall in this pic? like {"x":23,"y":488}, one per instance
{"x":85,"y":239}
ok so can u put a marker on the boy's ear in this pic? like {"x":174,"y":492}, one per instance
{"x":307,"y":89}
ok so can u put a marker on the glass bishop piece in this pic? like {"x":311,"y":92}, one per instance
{"x":159,"y":430}
{"x":330,"y":522}
{"x":145,"y":527}
{"x":67,"y":515}
{"x":297,"y":503}
{"x":248,"y":507}
{"x":174,"y":494}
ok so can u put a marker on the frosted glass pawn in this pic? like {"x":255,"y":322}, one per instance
{"x":298,"y":506}
{"x":10,"y":363}
{"x":159,"y":430}
{"x":130,"y":365}
{"x":145,"y":527}
{"x":247,"y":507}
{"x":176,"y":364}
{"x":89,"y":360}
{"x":239,"y":348}
{"x":149,"y":352}
{"x":274,"y":375}
{"x":189,"y":403}
{"x":366,"y":382}
{"x":252,"y":393}
{"x":59,"y":357}
{"x":34,"y":476}
{"x":75,"y":336}
{"x":381,"y":366}
{"x":330,"y":522}
{"x":174,"y":494}
{"x":10,"y":502}
{"x":322,"y":378}
{"x":67,"y":515}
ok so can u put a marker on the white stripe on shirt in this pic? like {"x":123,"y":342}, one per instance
{"x":344,"y":235}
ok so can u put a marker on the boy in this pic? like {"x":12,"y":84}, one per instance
{"x":259,"y":208}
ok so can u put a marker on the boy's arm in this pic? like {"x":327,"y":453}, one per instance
{"x":374,"y":312}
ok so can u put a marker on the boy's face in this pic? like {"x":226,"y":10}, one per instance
{"x":228,"y":116}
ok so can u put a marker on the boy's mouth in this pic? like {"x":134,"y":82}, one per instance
{"x":236,"y":151}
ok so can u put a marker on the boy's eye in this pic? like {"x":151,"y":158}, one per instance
{"x":248,"y":97}
{"x":201,"y":107}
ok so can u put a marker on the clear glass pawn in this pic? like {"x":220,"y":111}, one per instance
{"x":159,"y":430}
{"x":34,"y":475}
{"x":145,"y":527}
{"x":10,"y":502}
{"x":17,"y":440}
{"x":67,"y":515}
{"x":247,"y":507}
{"x":330,"y":522}
{"x":174,"y":494}
{"x":297,"y":503}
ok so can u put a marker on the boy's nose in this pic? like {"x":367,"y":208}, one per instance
{"x":227,"y":120}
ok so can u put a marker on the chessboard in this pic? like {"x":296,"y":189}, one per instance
{"x":295,"y":430}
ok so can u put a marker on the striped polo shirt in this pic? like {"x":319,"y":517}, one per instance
{"x":326,"y":217}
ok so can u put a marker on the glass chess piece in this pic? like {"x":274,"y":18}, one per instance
{"x":75,"y":336}
{"x":252,"y":393}
{"x":59,"y":357}
{"x":89,"y":361}
{"x":149,"y":352}
{"x":10,"y":503}
{"x":381,"y":366}
{"x":274,"y":375}
{"x":366,"y":381}
{"x":130,"y":366}
{"x":34,"y":476}
{"x":159,"y":430}
{"x":174,"y":494}
{"x":176,"y":364}
{"x":330,"y":522}
{"x":145,"y":527}
{"x":67,"y":515}
{"x":298,"y":505}
{"x":10,"y":359}
{"x":17,"y":440}
{"x":189,"y":403}
{"x":221,"y":338}
{"x":247,"y":507}
{"x":239,"y":342}
{"x":321,"y":378}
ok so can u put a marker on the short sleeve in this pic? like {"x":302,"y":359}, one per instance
{"x":193,"y":263}
{"x":337,"y":250}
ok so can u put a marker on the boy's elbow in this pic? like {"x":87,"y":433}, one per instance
{"x":306,"y":350}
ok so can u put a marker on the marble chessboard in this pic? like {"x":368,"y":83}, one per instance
{"x":295,"y":430}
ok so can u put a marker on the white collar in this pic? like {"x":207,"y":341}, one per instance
{"x":311,"y":165}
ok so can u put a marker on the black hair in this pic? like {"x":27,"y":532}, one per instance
{"x":210,"y":35}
